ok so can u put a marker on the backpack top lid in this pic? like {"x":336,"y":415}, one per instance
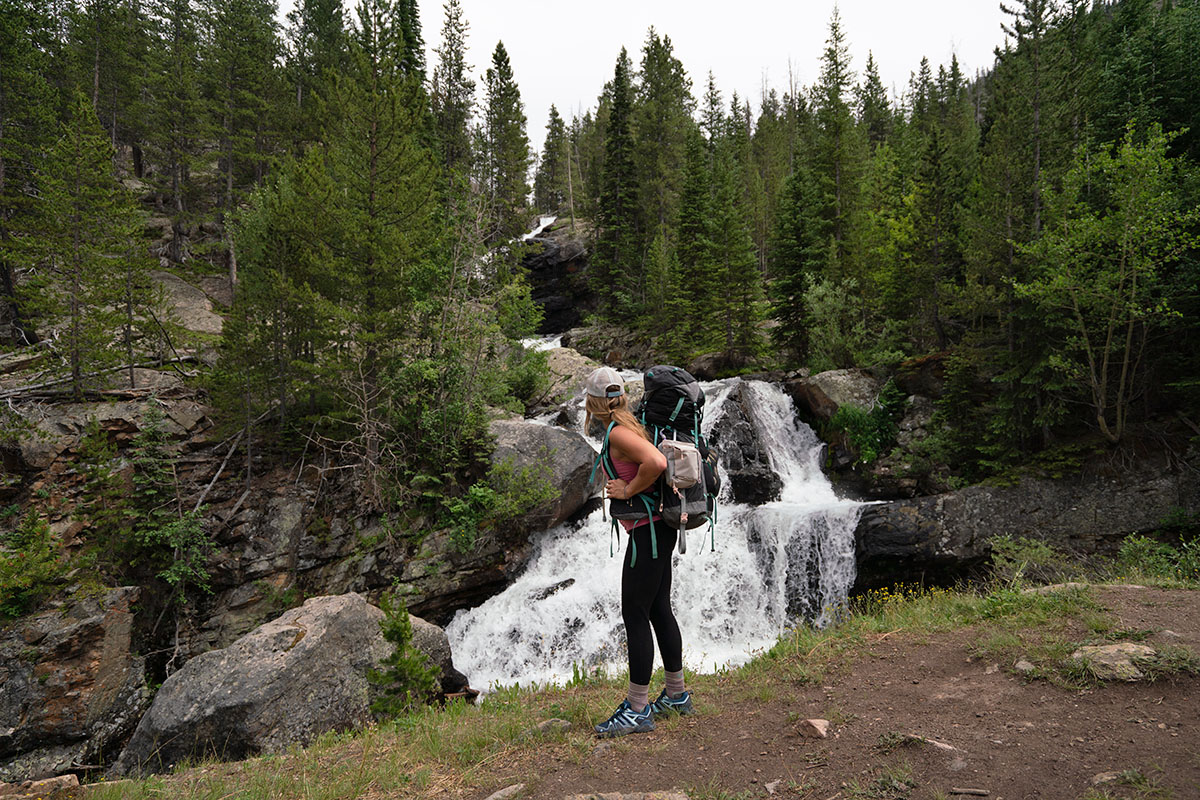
{"x":673,"y":399}
{"x":663,"y":376}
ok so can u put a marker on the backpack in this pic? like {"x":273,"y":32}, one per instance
{"x":672,"y":410}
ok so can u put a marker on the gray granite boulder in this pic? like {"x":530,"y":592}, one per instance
{"x":546,"y":452}
{"x":284,"y":683}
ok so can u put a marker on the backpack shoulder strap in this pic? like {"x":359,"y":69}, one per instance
{"x":604,"y":458}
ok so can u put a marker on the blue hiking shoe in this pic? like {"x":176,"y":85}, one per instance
{"x":666,"y":705}
{"x":625,"y":720}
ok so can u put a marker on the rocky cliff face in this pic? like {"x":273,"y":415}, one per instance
{"x":557,"y":264}
{"x":945,"y":537}
{"x":71,"y":687}
{"x":70,"y":691}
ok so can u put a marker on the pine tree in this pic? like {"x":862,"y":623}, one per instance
{"x":506,"y":162}
{"x":661,"y":118}
{"x":27,"y":115}
{"x":243,"y":49}
{"x":617,"y":270}
{"x":737,"y":307}
{"x":453,"y":92}
{"x":550,"y":183}
{"x":90,"y":275}
{"x":178,"y":129}
{"x":874,"y":110}
{"x":799,"y":254}
{"x":317,"y":53}
{"x":1028,"y":26}
{"x":839,"y":147}
{"x":108,"y":47}
{"x":698,"y":281}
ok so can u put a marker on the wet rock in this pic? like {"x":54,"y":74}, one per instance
{"x":285,"y":683}
{"x":562,"y":457}
{"x":711,"y":366}
{"x":72,"y":687}
{"x":557,"y":263}
{"x":1115,"y":662}
{"x":736,"y":439}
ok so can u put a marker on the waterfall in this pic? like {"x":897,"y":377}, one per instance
{"x":775,"y":565}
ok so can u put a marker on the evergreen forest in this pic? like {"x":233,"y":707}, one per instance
{"x":1034,"y":228}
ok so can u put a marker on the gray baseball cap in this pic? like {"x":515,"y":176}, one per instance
{"x":605,"y":382}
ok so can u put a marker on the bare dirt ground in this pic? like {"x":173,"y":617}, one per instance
{"x":1012,"y":738}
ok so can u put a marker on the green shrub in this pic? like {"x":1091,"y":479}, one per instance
{"x":1025,"y":559}
{"x":1149,"y":557}
{"x":871,"y":433}
{"x":504,"y":495}
{"x":31,"y":560}
{"x":407,"y":678}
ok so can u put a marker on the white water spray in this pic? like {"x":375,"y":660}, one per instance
{"x":775,"y":565}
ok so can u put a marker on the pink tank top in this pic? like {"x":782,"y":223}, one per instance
{"x":627,"y":471}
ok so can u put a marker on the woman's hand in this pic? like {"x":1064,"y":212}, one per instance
{"x":616,"y":489}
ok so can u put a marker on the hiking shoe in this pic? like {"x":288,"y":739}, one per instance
{"x":666,"y":705}
{"x":625,"y":720}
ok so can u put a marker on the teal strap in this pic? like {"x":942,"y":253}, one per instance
{"x":712,"y":526}
{"x":632,"y":550}
{"x":653,"y":536}
{"x":602,"y":456}
{"x":678,"y":406}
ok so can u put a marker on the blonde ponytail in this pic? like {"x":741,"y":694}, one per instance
{"x":609,"y":409}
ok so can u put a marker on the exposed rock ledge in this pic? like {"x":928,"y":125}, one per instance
{"x":946,"y":536}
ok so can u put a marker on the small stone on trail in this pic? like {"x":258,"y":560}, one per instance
{"x":554,"y":725}
{"x":992,"y":669}
{"x":1115,"y":662}
{"x":814,"y":728}
{"x":1024,"y":667}
{"x":772,"y":786}
{"x":601,"y":748}
{"x":1105,"y":777}
{"x":509,"y":792}
{"x":1170,"y":634}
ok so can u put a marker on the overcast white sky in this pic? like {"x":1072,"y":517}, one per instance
{"x":562,"y":53}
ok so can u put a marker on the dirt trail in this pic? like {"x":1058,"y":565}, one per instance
{"x":1011,"y":738}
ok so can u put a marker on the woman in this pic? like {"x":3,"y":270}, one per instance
{"x":645,"y":580}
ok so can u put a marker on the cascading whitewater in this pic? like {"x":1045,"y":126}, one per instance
{"x":775,"y":565}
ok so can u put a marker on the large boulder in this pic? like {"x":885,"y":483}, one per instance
{"x":736,"y":438}
{"x":562,"y":457}
{"x":818,"y":397}
{"x":284,"y":683}
{"x":568,"y":371}
{"x":71,"y":688}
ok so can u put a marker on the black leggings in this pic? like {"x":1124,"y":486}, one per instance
{"x":646,"y":601}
